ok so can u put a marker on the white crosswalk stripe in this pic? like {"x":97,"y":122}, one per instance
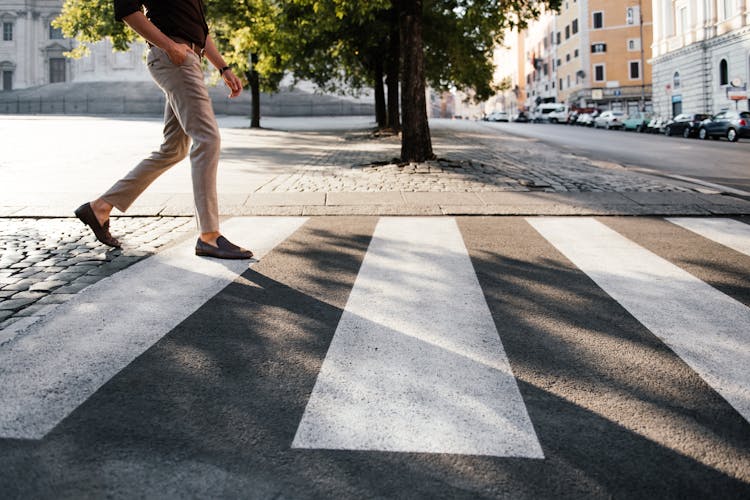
{"x":57,"y":364}
{"x":416,"y":363}
{"x":709,"y":330}
{"x":729,"y":232}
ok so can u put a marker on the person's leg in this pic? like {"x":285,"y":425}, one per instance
{"x":191,"y":103}
{"x":188,"y":95}
{"x":125,"y":191}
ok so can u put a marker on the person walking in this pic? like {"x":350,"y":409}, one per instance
{"x":177,"y":35}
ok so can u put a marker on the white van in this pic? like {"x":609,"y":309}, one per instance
{"x":550,"y":112}
{"x":560,"y":115}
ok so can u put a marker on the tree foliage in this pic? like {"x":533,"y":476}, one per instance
{"x":89,"y":21}
{"x":340,"y":44}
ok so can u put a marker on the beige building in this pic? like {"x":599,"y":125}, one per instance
{"x":507,"y":59}
{"x":538,"y":63}
{"x":592,"y":53}
{"x":620,"y":36}
{"x":701,"y":55}
{"x":572,"y":60}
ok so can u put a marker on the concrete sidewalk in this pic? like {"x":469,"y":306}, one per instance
{"x":323,"y":166}
{"x":334,"y":166}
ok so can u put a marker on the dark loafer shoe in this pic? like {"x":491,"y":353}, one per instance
{"x":86,"y":214}
{"x":225,"y":250}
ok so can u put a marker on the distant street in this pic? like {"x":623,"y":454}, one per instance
{"x":719,"y":162}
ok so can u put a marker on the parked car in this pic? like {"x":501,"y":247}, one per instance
{"x":727,"y":123}
{"x":543,"y":112}
{"x":585,"y":119}
{"x":655,"y":125}
{"x":636,"y":121}
{"x":685,"y":124}
{"x":559,"y":115}
{"x":498,"y":116}
{"x":609,"y":119}
{"x":521,"y":117}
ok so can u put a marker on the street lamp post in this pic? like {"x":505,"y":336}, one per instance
{"x":643,"y":62}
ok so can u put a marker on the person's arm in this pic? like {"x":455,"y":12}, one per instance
{"x":177,"y":52}
{"x":215,"y":58}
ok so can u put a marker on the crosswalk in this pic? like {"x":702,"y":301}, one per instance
{"x":426,"y":335}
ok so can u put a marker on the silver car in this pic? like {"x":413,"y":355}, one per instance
{"x":609,"y":119}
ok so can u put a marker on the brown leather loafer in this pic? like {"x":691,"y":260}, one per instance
{"x":86,"y":214}
{"x":225,"y":250}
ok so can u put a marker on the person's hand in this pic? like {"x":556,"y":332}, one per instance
{"x":177,"y":53}
{"x":234,"y":83}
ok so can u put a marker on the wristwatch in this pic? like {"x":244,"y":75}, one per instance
{"x":222,"y":70}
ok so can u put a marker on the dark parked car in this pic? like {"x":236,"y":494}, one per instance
{"x":521,"y":117}
{"x":727,"y":123}
{"x":685,"y":124}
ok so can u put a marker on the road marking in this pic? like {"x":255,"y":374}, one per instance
{"x":720,"y":187}
{"x":729,"y":232}
{"x":56,"y":364}
{"x":709,"y":330}
{"x":416,"y":363}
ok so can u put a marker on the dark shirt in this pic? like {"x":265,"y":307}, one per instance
{"x":181,"y":18}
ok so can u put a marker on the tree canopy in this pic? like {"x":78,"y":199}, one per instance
{"x":342,"y":44}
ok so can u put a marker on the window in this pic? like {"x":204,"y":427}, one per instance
{"x":567,"y":57}
{"x":727,"y":9}
{"x":723,"y":72}
{"x":7,"y":80}
{"x":574,"y":26}
{"x":676,"y":80}
{"x":599,"y":75}
{"x":598,"y":20}
{"x":567,"y":32}
{"x":683,"y":26}
{"x":558,"y":38}
{"x":55,"y":33}
{"x":561,"y":87}
{"x":7,"y":32}
{"x":57,"y":70}
{"x":575,"y":53}
{"x":598,"y":48}
{"x":634,"y":44}
{"x":634,"y":70}
{"x":559,"y":62}
{"x":568,"y":80}
{"x":632,"y":15}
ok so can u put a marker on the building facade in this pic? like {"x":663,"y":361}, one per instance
{"x":618,"y":48}
{"x":540,"y":54}
{"x":591,"y":53}
{"x":32,"y":51}
{"x":701,"y":55}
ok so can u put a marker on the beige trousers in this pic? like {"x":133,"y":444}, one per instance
{"x":188,"y":115}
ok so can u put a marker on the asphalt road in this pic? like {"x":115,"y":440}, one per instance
{"x":286,"y":383}
{"x":718,"y":162}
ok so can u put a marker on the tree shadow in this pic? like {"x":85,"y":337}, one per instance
{"x":221,"y":396}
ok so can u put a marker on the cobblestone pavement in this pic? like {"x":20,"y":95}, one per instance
{"x":43,"y":262}
{"x":472,"y":158}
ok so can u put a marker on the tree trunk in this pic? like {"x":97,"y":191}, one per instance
{"x":380,"y":114}
{"x":416,"y":144}
{"x":254,"y":81}
{"x":393,"y":65}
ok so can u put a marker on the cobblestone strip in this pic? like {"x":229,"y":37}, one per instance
{"x":43,"y":262}
{"x":478,"y":160}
